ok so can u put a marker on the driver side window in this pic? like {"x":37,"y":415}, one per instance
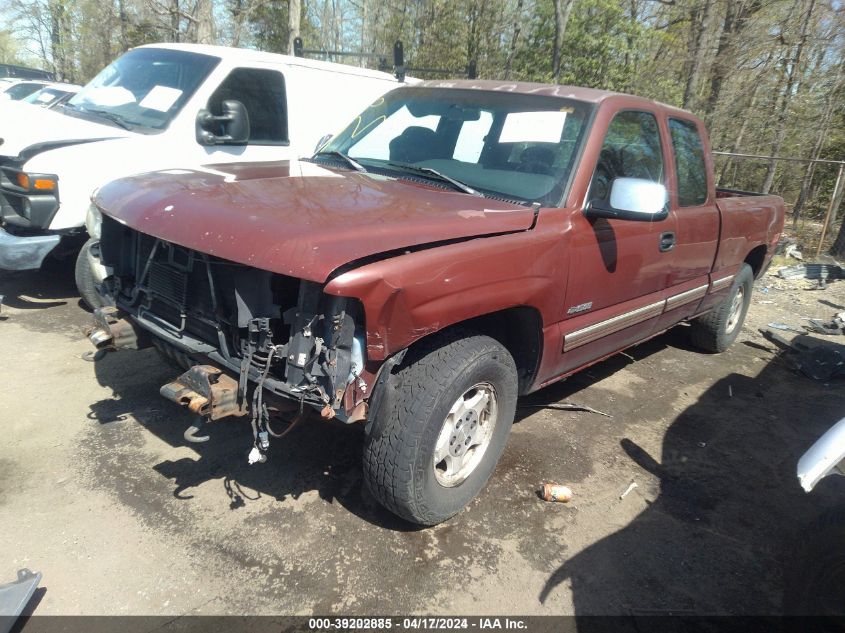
{"x":631,"y":149}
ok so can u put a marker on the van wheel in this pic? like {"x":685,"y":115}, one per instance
{"x":718,"y":329}
{"x":442,"y":426}
{"x":85,"y":282}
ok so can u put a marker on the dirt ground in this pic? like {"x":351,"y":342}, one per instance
{"x":99,"y":492}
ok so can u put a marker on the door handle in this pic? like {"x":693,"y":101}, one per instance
{"x":667,"y":241}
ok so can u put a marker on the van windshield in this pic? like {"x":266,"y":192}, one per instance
{"x":143,"y":89}
{"x":513,"y":145}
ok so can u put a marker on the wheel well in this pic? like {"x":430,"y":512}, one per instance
{"x":520,"y":331}
{"x":755,"y":259}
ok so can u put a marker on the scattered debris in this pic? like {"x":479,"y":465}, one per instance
{"x":815,"y":358}
{"x":730,"y":392}
{"x":792,"y":251}
{"x":567,"y":406}
{"x":785,"y":327}
{"x":630,"y":487}
{"x":822,"y":327}
{"x":826,"y":272}
{"x":701,"y":444}
{"x":765,"y":302}
{"x":555,"y":492}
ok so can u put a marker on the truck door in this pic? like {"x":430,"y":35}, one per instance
{"x":697,"y":221}
{"x":618,"y":268}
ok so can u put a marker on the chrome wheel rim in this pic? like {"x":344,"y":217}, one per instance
{"x":465,"y":435}
{"x":736,"y":310}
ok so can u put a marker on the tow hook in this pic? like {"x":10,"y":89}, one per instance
{"x":112,"y":330}
{"x":208,"y":392}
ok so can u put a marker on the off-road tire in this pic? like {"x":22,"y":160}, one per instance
{"x":814,"y":579}
{"x":709,"y":332}
{"x":399,"y":445}
{"x":85,"y":279}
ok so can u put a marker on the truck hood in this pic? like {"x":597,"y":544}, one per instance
{"x":39,"y":129}
{"x":297,"y":218}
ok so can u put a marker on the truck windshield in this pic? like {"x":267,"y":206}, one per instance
{"x":515,"y":146}
{"x":143,"y":89}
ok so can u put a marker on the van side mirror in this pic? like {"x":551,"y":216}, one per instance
{"x":635,"y":199}
{"x":230,"y":128}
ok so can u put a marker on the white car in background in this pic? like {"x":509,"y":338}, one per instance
{"x":17,"y":89}
{"x":52,"y":95}
{"x":161,"y":106}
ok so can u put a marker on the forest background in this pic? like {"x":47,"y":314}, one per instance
{"x":768,"y":76}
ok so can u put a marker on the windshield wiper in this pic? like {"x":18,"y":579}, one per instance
{"x":114,"y":118}
{"x":457,"y":184}
{"x":354,"y":164}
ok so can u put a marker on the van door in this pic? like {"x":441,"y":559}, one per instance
{"x":618,"y":268}
{"x":263,"y":93}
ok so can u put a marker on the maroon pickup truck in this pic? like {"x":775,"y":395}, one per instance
{"x":458,"y":245}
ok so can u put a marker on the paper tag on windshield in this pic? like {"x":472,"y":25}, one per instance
{"x":533,"y":127}
{"x":44,"y":97}
{"x":109,"y":96}
{"x":160,"y":98}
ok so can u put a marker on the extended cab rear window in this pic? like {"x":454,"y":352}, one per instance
{"x":515,"y":146}
{"x":689,"y":163}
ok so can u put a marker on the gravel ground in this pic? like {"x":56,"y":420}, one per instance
{"x":99,"y":492}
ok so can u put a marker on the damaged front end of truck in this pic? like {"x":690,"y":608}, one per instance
{"x":261,"y":341}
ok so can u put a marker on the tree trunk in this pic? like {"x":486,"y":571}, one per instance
{"x":516,"y":29}
{"x":821,"y":137}
{"x":294,"y":14}
{"x":787,"y":95}
{"x":174,"y":21}
{"x":838,"y":248}
{"x":696,"y":54}
{"x":124,"y":23}
{"x":205,"y":22}
{"x":562,"y":10}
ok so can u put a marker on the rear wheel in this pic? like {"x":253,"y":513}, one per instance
{"x":442,"y":427}
{"x":718,"y":329}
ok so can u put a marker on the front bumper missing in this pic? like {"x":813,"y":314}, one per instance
{"x":25,"y":252}
{"x":206,"y":391}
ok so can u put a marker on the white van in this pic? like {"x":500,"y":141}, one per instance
{"x":157,"y":107}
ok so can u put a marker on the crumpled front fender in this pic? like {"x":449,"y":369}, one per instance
{"x":825,"y":457}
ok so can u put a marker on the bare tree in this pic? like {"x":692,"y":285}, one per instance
{"x":563,"y":8}
{"x":294,"y":14}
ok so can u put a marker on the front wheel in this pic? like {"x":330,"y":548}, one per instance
{"x":442,"y":428}
{"x":718,"y":329}
{"x":86,"y":282}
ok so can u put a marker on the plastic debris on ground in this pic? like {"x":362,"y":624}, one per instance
{"x":822,"y":272}
{"x":815,"y":358}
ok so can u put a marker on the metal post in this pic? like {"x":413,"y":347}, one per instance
{"x":830,"y":208}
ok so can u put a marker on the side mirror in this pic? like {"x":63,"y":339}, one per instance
{"x":632,"y":199}
{"x":230,"y":128}
{"x":322,"y":142}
